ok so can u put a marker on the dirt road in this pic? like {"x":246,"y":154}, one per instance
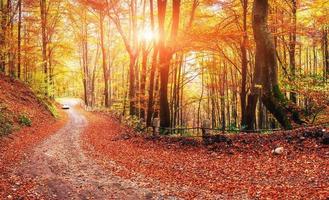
{"x":63,"y":171}
{"x":63,"y":167}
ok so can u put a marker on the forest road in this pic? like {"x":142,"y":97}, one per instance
{"x":63,"y":171}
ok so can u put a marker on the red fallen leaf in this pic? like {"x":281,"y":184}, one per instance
{"x":251,"y":170}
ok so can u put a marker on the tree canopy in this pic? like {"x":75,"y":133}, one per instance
{"x":241,"y":64}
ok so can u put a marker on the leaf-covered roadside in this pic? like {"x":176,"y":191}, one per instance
{"x":247,"y":169}
{"x":15,"y":147}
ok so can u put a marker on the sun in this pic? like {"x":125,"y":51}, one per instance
{"x":147,"y":34}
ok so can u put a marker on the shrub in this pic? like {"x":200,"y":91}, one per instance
{"x":24,"y":120}
{"x":6,"y":125}
{"x":134,"y":122}
{"x":233,"y":128}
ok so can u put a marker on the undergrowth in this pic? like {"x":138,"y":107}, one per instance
{"x":24,"y":120}
{"x":6,"y":124}
{"x":48,"y":105}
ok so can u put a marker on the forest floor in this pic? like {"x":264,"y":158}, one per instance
{"x":243,"y":169}
{"x":58,"y":168}
{"x":16,"y":139}
{"x":93,"y":156}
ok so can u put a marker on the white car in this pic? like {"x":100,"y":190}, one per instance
{"x":65,"y":106}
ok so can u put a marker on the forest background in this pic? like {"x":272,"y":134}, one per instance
{"x":182,"y":61}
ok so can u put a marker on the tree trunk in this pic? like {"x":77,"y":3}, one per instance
{"x":166,"y":52}
{"x":150,"y":103}
{"x":19,"y":39}
{"x":325,"y":50}
{"x":222,"y":83}
{"x":202,"y":92}
{"x":143,"y":83}
{"x":163,"y":67}
{"x":3,"y":36}
{"x":145,"y":53}
{"x":265,"y":82}
{"x":85,"y":62}
{"x":133,"y":55}
{"x":104,"y":64}
{"x":11,"y":53}
{"x":243,"y":94}
{"x":292,"y":47}
{"x":132,"y":94}
{"x":109,"y":69}
{"x":164,"y":104}
{"x":43,"y":10}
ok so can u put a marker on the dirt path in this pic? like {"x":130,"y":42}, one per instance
{"x":63,"y":167}
{"x":63,"y":171}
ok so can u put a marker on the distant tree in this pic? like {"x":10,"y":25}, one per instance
{"x":43,"y":14}
{"x":104,"y":58}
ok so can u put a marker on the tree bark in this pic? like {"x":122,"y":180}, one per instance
{"x":265,"y":83}
{"x":163,"y":66}
{"x":150,"y":103}
{"x":292,"y":47}
{"x":43,"y":11}
{"x":104,"y":64}
{"x":143,"y":82}
{"x":132,"y":94}
{"x":243,"y":94}
{"x":325,"y":50}
{"x":165,"y":53}
{"x":19,"y":39}
{"x":145,"y":53}
{"x":3,"y":36}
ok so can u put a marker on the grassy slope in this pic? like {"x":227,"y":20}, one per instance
{"x":17,"y":99}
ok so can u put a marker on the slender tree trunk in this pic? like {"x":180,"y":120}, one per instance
{"x":145,"y":54}
{"x":222,"y":96}
{"x":156,"y":95}
{"x":25,"y":40}
{"x":292,"y":46}
{"x":202,"y":93}
{"x":150,"y":103}
{"x":325,"y":50}
{"x":109,"y":69}
{"x":179,"y":84}
{"x":234,"y":96}
{"x":3,"y":36}
{"x":143,"y":83}
{"x":19,"y":39}
{"x":11,"y":53}
{"x":43,"y":10}
{"x":243,"y":94}
{"x":85,"y":60}
{"x":173,"y":90}
{"x":104,"y":64}
{"x":133,"y":55}
{"x":132,"y":94}
{"x":93,"y":78}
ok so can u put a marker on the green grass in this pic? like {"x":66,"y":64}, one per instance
{"x":24,"y":120}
